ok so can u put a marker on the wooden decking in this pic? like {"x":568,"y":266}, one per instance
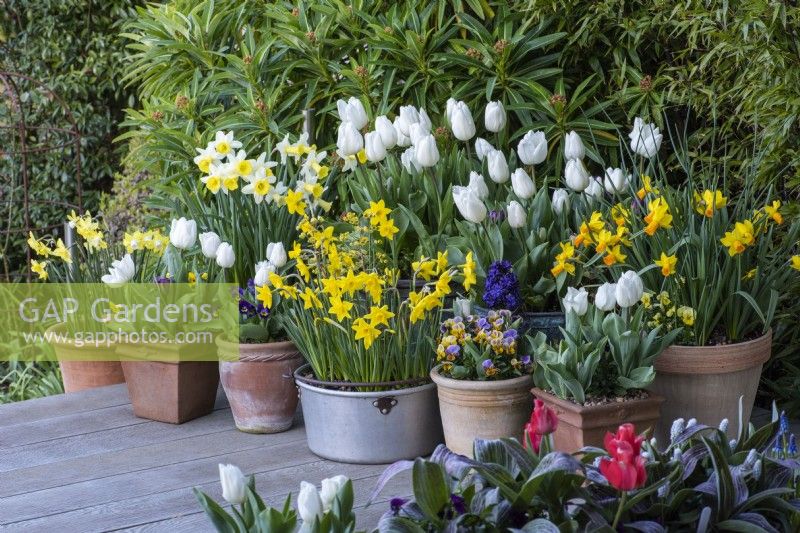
{"x":83,"y":462}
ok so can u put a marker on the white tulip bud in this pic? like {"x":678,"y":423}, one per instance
{"x":409,"y":160}
{"x":645,"y":138}
{"x":576,"y":175}
{"x":615,"y":181}
{"x":606,"y":298}
{"x":330,"y":489}
{"x":594,"y":189}
{"x":121,"y":271}
{"x":498,"y":167}
{"x":408,"y":116}
{"x":478,"y":184}
{"x":461,"y":122}
{"x":576,"y":300}
{"x":373,"y":146}
{"x":573,"y":146}
{"x":387,"y":132}
{"x":309,"y":504}
{"x":263,"y":270}
{"x":427,"y":152}
{"x":233,"y":484}
{"x":560,"y":201}
{"x":522,"y":184}
{"x":209,"y":242}
{"x":276,"y":254}
{"x":629,"y":289}
{"x":416,"y":132}
{"x":449,"y":107}
{"x":183,"y":233}
{"x":424,"y":120}
{"x":403,"y":140}
{"x":349,"y":140}
{"x":482,"y":147}
{"x":494,"y":118}
{"x":225,"y":255}
{"x":517,"y":218}
{"x":532,"y":149}
{"x":469,"y":204}
{"x":352,"y":111}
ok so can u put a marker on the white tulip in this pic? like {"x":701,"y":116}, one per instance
{"x":532,"y":149}
{"x":606,"y":298}
{"x":263,"y":270}
{"x":276,"y":254}
{"x":121,"y":271}
{"x":424,"y":120}
{"x":522,"y":184}
{"x":494,"y":117}
{"x":427,"y":153}
{"x":469,"y":204}
{"x":409,"y":160}
{"x":374,"y":148}
{"x":330,"y":489}
{"x":183,"y":233}
{"x":629,"y":289}
{"x":498,"y":167}
{"x":482,"y":147}
{"x":573,"y":146}
{"x":576,"y":300}
{"x":576,"y":175}
{"x":461,"y":122}
{"x":408,"y":116}
{"x":462,"y":307}
{"x":403,"y":140}
{"x":352,"y":111}
{"x":225,"y":255}
{"x":349,"y":140}
{"x":387,"y":132}
{"x":449,"y":107}
{"x":560,"y":201}
{"x":645,"y":138}
{"x":517,"y":218}
{"x":233,"y":484}
{"x":416,"y":132}
{"x":594,"y":189}
{"x":209,"y":242}
{"x":615,"y":180}
{"x":478,"y":184}
{"x":309,"y":503}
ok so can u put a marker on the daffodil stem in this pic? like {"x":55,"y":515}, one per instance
{"x":622,"y":500}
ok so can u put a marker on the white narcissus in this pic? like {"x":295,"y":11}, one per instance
{"x":461,"y":122}
{"x":606,"y":298}
{"x":478,"y":184}
{"x":576,"y":300}
{"x":120,"y":271}
{"x":276,"y":254}
{"x":387,"y":131}
{"x":349,"y":140}
{"x":233,"y":484}
{"x":522,"y":184}
{"x":309,"y":504}
{"x":225,"y":255}
{"x":352,"y":111}
{"x":498,"y":166}
{"x":373,"y":147}
{"x":576,"y":175}
{"x":532,"y":148}
{"x":615,"y":180}
{"x":427,"y":153}
{"x":560,"y":201}
{"x":209,"y":242}
{"x":183,"y":233}
{"x":494,"y":117}
{"x":645,"y":138}
{"x":469,"y":204}
{"x":516,"y":215}
{"x":629,"y":289}
{"x":224,"y":144}
{"x":573,"y":146}
{"x":482,"y":147}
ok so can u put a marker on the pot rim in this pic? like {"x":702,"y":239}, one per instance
{"x":473,"y":385}
{"x":320,"y":386}
{"x":256,"y":352}
{"x":568,"y":405}
{"x":718,"y":359}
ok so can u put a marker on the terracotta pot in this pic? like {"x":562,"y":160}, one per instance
{"x":84,"y":367}
{"x":580,"y":426}
{"x":168,"y":391}
{"x":259,"y":386}
{"x":482,"y":409}
{"x":705,"y":382}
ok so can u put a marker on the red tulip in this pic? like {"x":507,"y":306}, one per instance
{"x":625,"y":470}
{"x":625,"y":433}
{"x":544,"y":421}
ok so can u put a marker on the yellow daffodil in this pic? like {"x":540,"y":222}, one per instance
{"x":289,"y":291}
{"x":37,"y":246}
{"x":614,"y":255}
{"x":379,"y":316}
{"x":212,"y":182}
{"x":424,"y":268}
{"x":442,"y":287}
{"x":667,"y":264}
{"x":331,"y":287}
{"x":742,"y":236}
{"x":294,"y":202}
{"x":303,"y":269}
{"x":362,"y":156}
{"x":796,"y":262}
{"x":377,"y":211}
{"x":468,"y":271}
{"x":39,"y":268}
{"x":62,"y":252}
{"x":350,"y":283}
{"x":230,"y":183}
{"x":620,"y":214}
{"x":441,"y":261}
{"x":340,"y":308}
{"x":773,"y":211}
{"x":658,"y":216}
{"x":264,"y":295}
{"x":709,"y":202}
{"x":750,"y":274}
{"x":647,"y":187}
{"x":296,"y":250}
{"x":365,"y":331}
{"x":387,"y":229}
{"x":373,"y":284}
{"x":310,"y":300}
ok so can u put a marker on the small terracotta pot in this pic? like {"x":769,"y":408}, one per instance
{"x":482,"y":409}
{"x":580,"y":426}
{"x":260,"y":386}
{"x":705,"y":382}
{"x":168,"y":391}
{"x":85,"y":367}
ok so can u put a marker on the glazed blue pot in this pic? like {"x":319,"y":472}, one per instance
{"x":548,"y":323}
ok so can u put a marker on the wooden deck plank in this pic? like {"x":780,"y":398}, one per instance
{"x":52,"y":407}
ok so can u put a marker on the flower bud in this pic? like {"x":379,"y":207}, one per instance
{"x":209,"y":242}
{"x":522,"y":184}
{"x":494,"y":117}
{"x":532,"y":149}
{"x":516,"y":215}
{"x":225,"y":255}
{"x":498,"y":167}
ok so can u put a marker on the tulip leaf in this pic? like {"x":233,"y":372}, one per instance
{"x":430,"y":488}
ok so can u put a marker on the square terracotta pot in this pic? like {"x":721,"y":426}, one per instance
{"x":580,"y":426}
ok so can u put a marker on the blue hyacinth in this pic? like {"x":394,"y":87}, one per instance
{"x":501,"y":290}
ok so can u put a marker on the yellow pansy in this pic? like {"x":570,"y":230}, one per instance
{"x":687,"y":315}
{"x":667,"y":264}
{"x":796,"y":262}
{"x":362,"y":156}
